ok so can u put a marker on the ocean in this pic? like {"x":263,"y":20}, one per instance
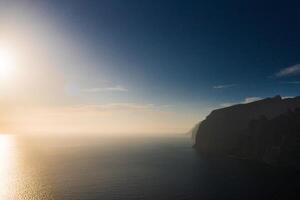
{"x":125,"y":167}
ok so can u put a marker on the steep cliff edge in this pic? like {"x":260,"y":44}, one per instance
{"x":267,"y":130}
{"x":193,"y":132}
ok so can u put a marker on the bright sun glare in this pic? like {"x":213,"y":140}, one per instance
{"x":7,"y":63}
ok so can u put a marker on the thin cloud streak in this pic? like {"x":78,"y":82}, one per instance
{"x":117,"y":88}
{"x":291,"y":82}
{"x":288,"y":97}
{"x":115,"y":106}
{"x":223,"y":105}
{"x":224,"y":86}
{"x":289,"y":71}
{"x":246,"y":100}
{"x":120,"y":107}
{"x":251,"y":99}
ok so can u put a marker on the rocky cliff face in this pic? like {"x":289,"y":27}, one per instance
{"x":260,"y":130}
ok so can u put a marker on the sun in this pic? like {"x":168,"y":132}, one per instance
{"x":7,"y":63}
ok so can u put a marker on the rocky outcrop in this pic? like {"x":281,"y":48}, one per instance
{"x":267,"y":130}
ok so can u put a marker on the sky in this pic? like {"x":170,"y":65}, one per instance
{"x":115,"y":66}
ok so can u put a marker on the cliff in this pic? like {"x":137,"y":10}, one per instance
{"x":267,"y":130}
{"x":193,"y":132}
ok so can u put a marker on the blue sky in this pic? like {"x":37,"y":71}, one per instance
{"x":181,"y":50}
{"x":189,"y":56}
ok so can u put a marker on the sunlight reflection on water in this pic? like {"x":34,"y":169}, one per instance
{"x":7,"y":161}
{"x":19,"y":179}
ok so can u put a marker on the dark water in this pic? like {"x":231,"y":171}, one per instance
{"x":73,"y":168}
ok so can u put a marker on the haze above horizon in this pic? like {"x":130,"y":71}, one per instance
{"x":114,"y":66}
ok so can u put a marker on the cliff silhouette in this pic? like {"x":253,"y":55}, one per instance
{"x":267,"y":130}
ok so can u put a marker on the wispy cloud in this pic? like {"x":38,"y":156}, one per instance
{"x":224,"y":86}
{"x":287,"y":97}
{"x":116,"y":88}
{"x":289,"y":71}
{"x":251,"y":99}
{"x":121,"y":107}
{"x":116,"y":107}
{"x":227,"y":104}
{"x":246,"y":100}
{"x":291,"y":82}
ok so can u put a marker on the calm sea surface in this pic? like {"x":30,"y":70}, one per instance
{"x":79,"y":168}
